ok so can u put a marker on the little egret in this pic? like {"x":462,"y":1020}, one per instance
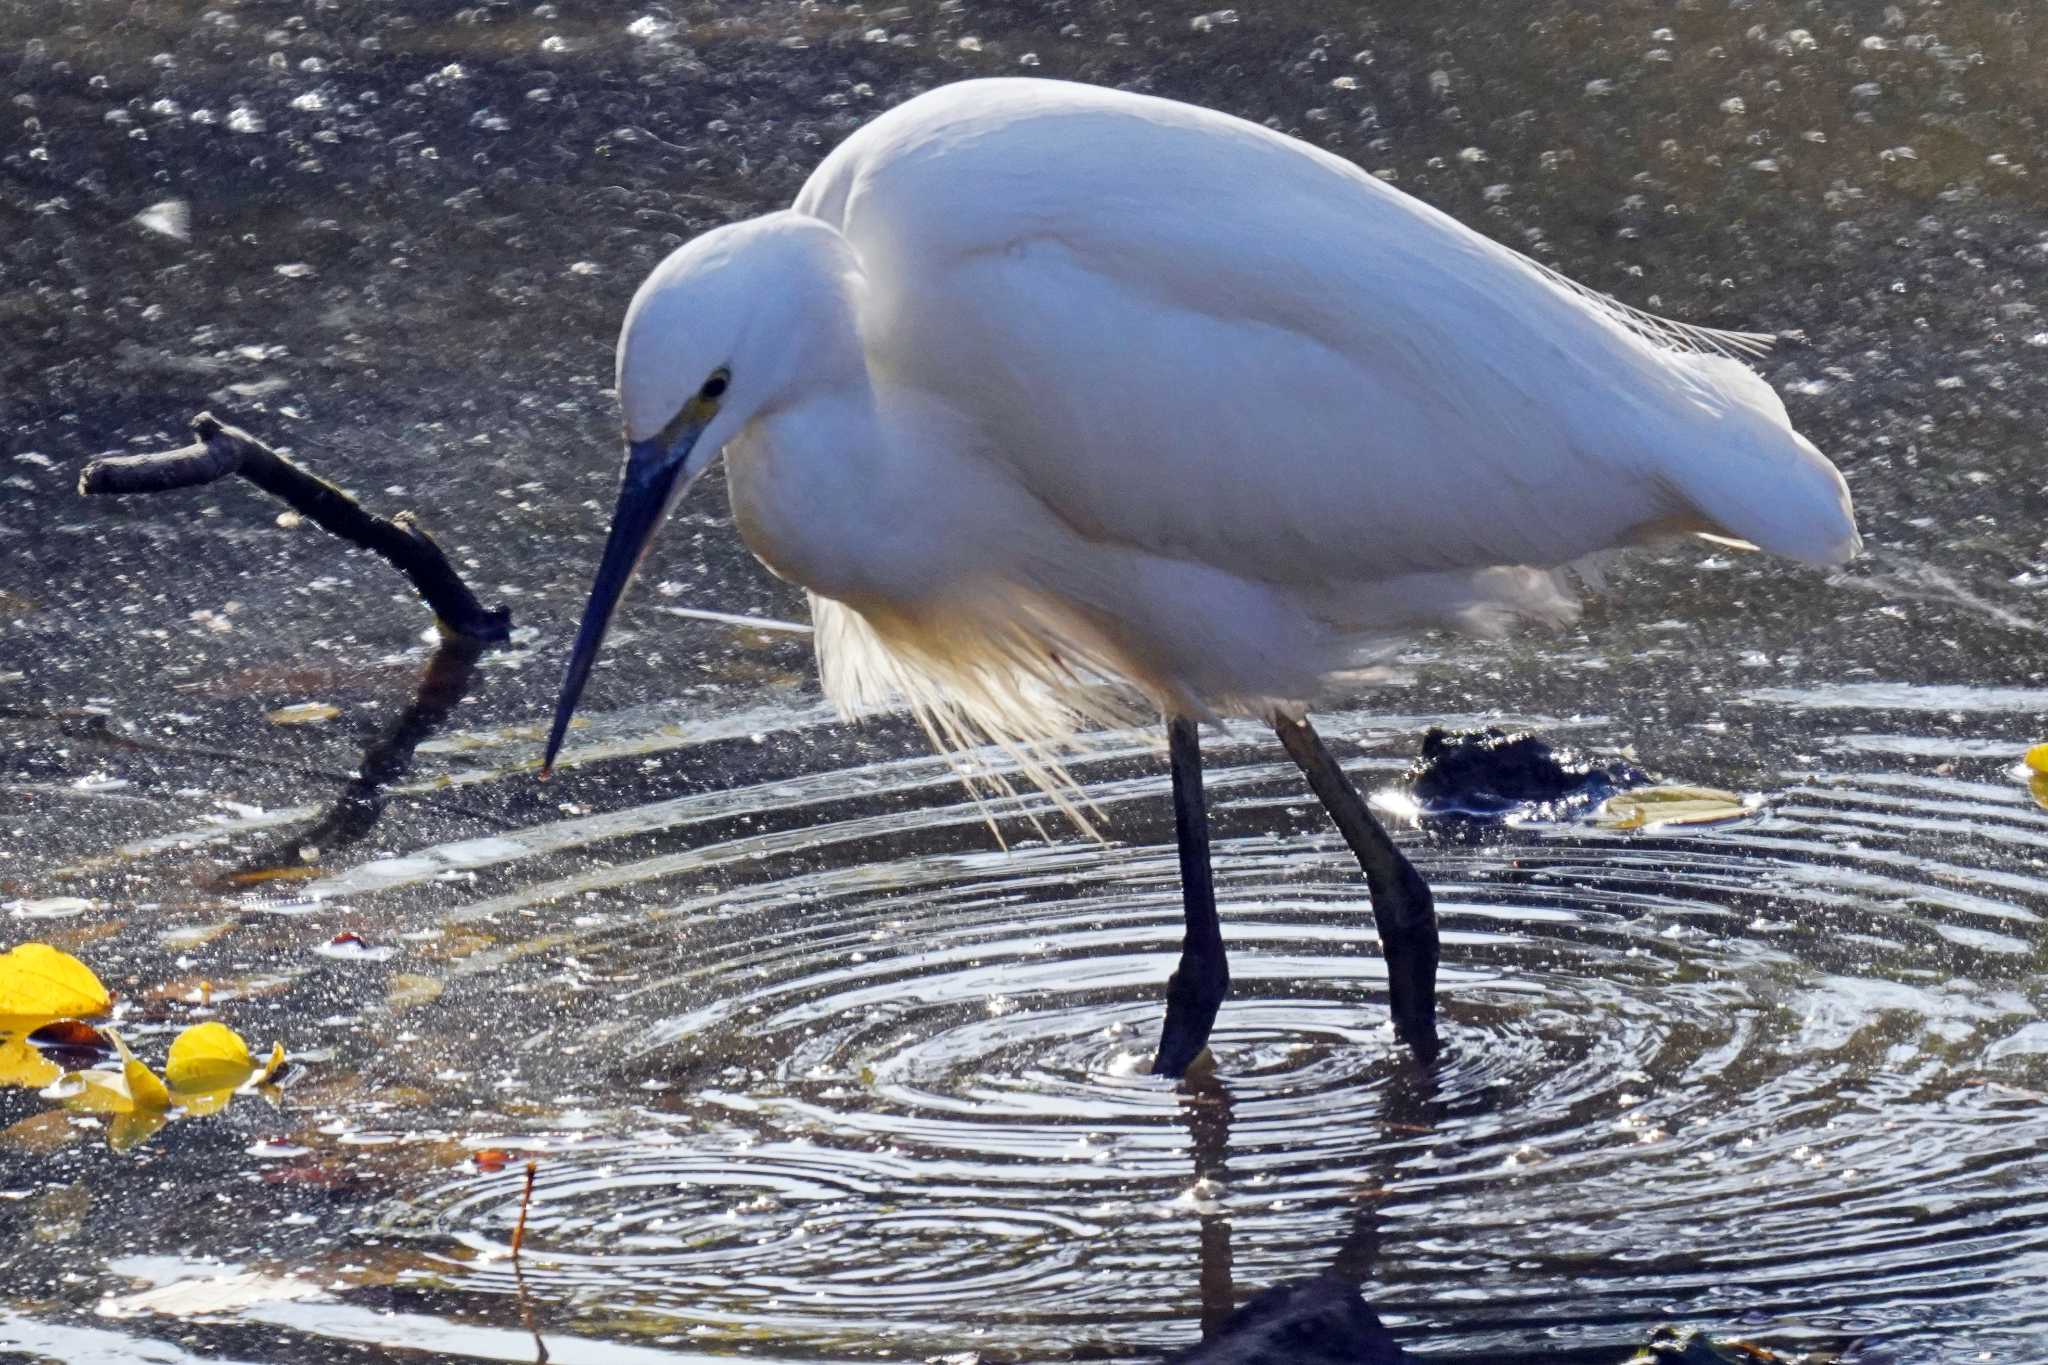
{"x":1070,"y":406}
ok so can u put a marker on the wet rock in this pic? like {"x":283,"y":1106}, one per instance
{"x":1314,"y":1322}
{"x":1490,"y":774}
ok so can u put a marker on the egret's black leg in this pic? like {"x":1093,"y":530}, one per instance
{"x":1401,"y":904}
{"x":1203,"y":977}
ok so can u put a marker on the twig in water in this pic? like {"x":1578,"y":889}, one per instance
{"x":525,"y":1203}
{"x":222,"y":450}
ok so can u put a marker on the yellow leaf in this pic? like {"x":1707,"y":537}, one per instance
{"x":408,"y":990}
{"x":38,"y":982}
{"x":208,"y":1057}
{"x":2037,"y":759}
{"x":131,"y":1130}
{"x":1648,"y":807}
{"x":200,"y":1103}
{"x":21,"y":1063}
{"x":271,"y":1064}
{"x":260,"y":875}
{"x":2038,"y":786}
{"x":148,"y":1093}
{"x":93,"y":1092}
{"x":305,"y":713}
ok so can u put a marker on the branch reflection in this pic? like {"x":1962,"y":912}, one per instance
{"x":450,"y":674}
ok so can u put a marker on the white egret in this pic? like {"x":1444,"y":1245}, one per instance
{"x":1040,"y":386}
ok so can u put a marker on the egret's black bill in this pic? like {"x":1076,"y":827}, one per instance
{"x":643,"y":497}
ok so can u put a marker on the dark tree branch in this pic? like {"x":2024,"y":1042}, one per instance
{"x":223,"y":450}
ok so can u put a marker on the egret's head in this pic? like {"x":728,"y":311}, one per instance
{"x":725,"y":329}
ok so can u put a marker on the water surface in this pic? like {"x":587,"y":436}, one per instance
{"x":812,"y":1068}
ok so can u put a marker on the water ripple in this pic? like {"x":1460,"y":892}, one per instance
{"x":1782,"y":1074}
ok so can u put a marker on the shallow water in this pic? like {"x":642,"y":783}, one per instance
{"x":811,"y":1068}
{"x":1744,"y":1076}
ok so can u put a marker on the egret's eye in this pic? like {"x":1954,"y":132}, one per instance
{"x":714,"y":387}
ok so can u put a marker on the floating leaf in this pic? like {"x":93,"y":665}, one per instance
{"x":93,"y":1092}
{"x":220,"y":1296}
{"x":71,"y":1044}
{"x":132,"y":1130}
{"x":2037,"y":785}
{"x":39,"y":982}
{"x":206,"y":1057}
{"x":2037,"y":759}
{"x":350,"y":946}
{"x":137,"y":1100}
{"x":305,"y":713}
{"x":21,"y":1064}
{"x":408,"y":990}
{"x":189,"y":936}
{"x":1649,"y":807}
{"x":209,"y":1062}
{"x":148,"y":1092}
{"x":259,"y":875}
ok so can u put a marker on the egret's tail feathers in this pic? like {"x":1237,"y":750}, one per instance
{"x":1665,"y":333}
{"x":1763,"y":482}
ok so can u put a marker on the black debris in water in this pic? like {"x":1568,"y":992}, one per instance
{"x":1491,"y":773}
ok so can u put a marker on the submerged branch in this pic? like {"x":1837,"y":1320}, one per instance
{"x":223,"y":450}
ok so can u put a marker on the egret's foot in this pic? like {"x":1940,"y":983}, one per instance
{"x":1193,"y":996}
{"x":1405,"y":913}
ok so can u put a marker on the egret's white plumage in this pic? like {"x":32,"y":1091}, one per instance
{"x":1040,"y":385}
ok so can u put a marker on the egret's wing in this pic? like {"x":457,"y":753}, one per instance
{"x":1189,"y":335}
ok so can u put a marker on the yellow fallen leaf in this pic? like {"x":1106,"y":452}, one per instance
{"x":199,"y":1103}
{"x":208,"y":1057}
{"x":2037,"y":785}
{"x":305,"y":713}
{"x":1648,"y":807}
{"x":132,"y":1130}
{"x":271,"y":1064}
{"x":149,"y":1093}
{"x":2037,"y":759}
{"x":39,"y":982}
{"x":22,"y":1063}
{"x":93,"y":1092}
{"x":408,"y":989}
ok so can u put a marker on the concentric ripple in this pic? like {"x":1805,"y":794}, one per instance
{"x":1783,"y":1077}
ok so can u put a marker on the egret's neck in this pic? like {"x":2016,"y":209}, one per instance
{"x":812,"y":489}
{"x":839,"y":479}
